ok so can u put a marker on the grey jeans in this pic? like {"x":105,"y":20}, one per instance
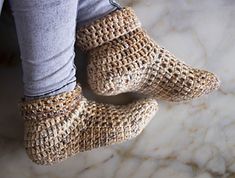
{"x":46,"y":35}
{"x":1,"y":3}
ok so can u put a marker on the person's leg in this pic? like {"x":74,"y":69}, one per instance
{"x":46,"y":35}
{"x":59,"y":126}
{"x":89,"y":10}
{"x":1,"y":3}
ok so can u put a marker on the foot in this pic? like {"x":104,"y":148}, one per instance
{"x":123,"y":58}
{"x":61,"y":126}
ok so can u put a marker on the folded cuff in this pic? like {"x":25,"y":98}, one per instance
{"x":107,"y":28}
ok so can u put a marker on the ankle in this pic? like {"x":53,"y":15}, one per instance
{"x":66,"y":88}
{"x":90,"y":11}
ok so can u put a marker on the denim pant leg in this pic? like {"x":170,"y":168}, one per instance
{"x":89,"y":10}
{"x":1,"y":3}
{"x":46,"y":35}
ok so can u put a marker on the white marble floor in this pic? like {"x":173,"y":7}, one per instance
{"x":188,"y":140}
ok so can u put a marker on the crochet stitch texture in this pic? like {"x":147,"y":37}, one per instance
{"x":61,"y":126}
{"x":123,"y":58}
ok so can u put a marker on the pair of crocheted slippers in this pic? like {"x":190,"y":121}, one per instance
{"x":122,"y":58}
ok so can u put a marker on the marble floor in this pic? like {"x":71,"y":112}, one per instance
{"x":187,"y":140}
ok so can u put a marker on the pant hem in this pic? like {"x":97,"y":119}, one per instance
{"x":51,"y":93}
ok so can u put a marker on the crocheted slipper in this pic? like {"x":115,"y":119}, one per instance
{"x":123,"y":58}
{"x":60,"y":126}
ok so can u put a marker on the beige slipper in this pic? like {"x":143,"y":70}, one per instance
{"x":60,"y":126}
{"x":123,"y":58}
